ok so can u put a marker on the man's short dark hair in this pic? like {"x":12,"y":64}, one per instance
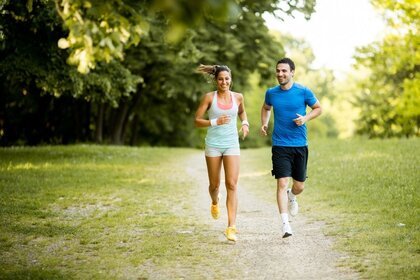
{"x":287,"y":60}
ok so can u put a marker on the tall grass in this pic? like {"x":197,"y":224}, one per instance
{"x":368,"y":193}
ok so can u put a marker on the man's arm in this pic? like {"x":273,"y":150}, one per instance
{"x":315,"y":112}
{"x":265,"y":118}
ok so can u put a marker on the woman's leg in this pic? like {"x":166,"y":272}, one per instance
{"x":214,"y":165}
{"x":231,"y":167}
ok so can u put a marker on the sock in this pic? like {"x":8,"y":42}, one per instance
{"x":292,"y":196}
{"x":284,"y":218}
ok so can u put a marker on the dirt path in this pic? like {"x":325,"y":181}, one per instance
{"x":260,"y":252}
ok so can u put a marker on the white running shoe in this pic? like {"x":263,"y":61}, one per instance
{"x":293,"y":204}
{"x":287,"y":230}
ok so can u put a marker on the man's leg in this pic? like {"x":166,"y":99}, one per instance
{"x":300,"y":163}
{"x":282,"y":202}
{"x":296,"y":189}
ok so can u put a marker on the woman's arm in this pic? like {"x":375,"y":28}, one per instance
{"x":201,"y":111}
{"x":242,"y":115}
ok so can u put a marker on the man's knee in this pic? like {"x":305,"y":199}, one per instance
{"x":298,"y":187}
{"x":282,"y":183}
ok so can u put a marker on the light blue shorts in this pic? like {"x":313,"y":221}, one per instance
{"x":218,"y":152}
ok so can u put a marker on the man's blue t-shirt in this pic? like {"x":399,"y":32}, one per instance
{"x":286,"y":104}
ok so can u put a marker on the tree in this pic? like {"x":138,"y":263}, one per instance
{"x":131,"y":93}
{"x":389,"y":99}
{"x":171,"y":84}
{"x":37,"y":83}
{"x":102,"y":30}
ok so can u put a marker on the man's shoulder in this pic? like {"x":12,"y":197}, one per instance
{"x":302,"y":89}
{"x":299,"y":86}
{"x":273,"y":89}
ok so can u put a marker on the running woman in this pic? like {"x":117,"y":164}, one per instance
{"x":223,"y":107}
{"x":289,"y":101}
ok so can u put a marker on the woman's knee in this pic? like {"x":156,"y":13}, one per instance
{"x":231,"y":185}
{"x":214,"y":186}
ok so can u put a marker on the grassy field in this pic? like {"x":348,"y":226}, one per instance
{"x":368,"y":194}
{"x":95,"y":212}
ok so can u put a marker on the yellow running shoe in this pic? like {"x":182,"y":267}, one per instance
{"x":215,"y":211}
{"x":235,"y":228}
{"x":231,"y":233}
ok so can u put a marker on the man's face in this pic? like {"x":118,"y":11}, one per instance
{"x":284,"y":74}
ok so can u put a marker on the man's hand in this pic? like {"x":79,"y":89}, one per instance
{"x":264,"y":130}
{"x":300,"y":120}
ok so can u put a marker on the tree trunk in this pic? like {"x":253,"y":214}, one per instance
{"x":99,"y":124}
{"x":117,"y":131}
{"x":87,"y":135}
{"x":136,"y":118}
{"x":134,"y":134}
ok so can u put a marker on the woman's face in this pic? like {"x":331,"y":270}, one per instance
{"x":223,"y":81}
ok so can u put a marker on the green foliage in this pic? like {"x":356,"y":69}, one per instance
{"x":400,"y":14}
{"x":389,"y":96}
{"x":108,"y":83}
{"x":150,"y":96}
{"x":36,"y":81}
{"x":100,"y":30}
{"x":34,"y":63}
{"x":342,"y":109}
{"x":254,"y":98}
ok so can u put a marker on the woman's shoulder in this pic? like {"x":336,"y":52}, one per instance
{"x":210,"y":93}
{"x":208,"y":96}
{"x":239,"y":96}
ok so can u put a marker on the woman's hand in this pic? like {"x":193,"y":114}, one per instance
{"x":223,"y":120}
{"x":245,"y":130}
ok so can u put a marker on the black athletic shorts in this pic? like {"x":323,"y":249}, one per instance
{"x":290,"y":162}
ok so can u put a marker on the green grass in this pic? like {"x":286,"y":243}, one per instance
{"x":367,"y":191}
{"x":95,"y":212}
{"x":92,"y":212}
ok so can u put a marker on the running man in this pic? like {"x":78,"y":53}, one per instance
{"x":289,"y":101}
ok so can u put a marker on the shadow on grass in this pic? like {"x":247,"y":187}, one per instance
{"x":35,"y":273}
{"x":48,"y":229}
